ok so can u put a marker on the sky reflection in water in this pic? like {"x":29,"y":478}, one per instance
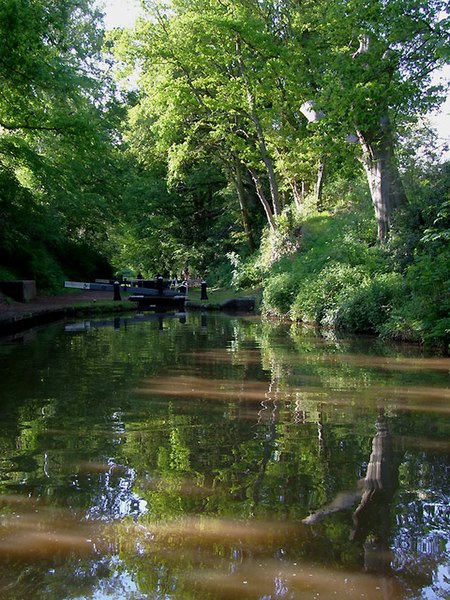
{"x":217,"y":457}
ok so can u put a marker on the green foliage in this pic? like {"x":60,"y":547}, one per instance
{"x":333,"y":254}
{"x":32,"y":241}
{"x":279,"y":293}
{"x":425,"y":219}
{"x":319,"y":297}
{"x":338,"y":279}
{"x":6,"y":274}
{"x":45,"y":270}
{"x":424,"y":313}
{"x":57,"y":119}
{"x":220,"y":89}
{"x":184,"y":226}
{"x":220,"y":273}
{"x":181,"y":175}
{"x":366,"y":306}
{"x":420,"y":249}
{"x":440,"y":231}
{"x":282,"y":242}
{"x":245,"y":273}
{"x":82,"y":262}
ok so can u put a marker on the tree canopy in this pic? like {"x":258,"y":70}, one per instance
{"x":232,"y":79}
{"x":242,"y":119}
{"x":56,"y":124}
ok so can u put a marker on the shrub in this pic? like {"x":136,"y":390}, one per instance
{"x":6,"y":274}
{"x":46,"y":271}
{"x":81,"y":262}
{"x":279,"y":293}
{"x":366,"y":307}
{"x":424,"y":313}
{"x":318,"y":298}
{"x":245,"y":273}
{"x":220,"y":273}
{"x":284,"y":241}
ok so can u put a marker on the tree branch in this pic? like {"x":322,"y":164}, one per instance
{"x":16,"y":127}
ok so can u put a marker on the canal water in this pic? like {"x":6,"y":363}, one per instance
{"x":215,"y":457}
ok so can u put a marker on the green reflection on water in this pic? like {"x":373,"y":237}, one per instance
{"x":219,"y":457}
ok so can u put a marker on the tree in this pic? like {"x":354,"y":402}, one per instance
{"x":57,"y":116}
{"x":373,"y":73}
{"x":47,"y":64}
{"x":206,"y":88}
{"x":231,"y":80}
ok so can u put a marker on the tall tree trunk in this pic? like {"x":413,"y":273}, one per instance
{"x":298,"y":194}
{"x":265,"y":155}
{"x":386,"y":188}
{"x":240,"y":190}
{"x":319,"y":183}
{"x":263,"y":199}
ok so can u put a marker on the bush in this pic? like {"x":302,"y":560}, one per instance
{"x":423,"y":315}
{"x":81,"y":262}
{"x":337,"y":274}
{"x":220,"y":273}
{"x":365,"y":308}
{"x":319,"y":297}
{"x":284,"y":242}
{"x":245,"y":273}
{"x":6,"y":274}
{"x":46,"y":271}
{"x":333,"y":259}
{"x":279,"y":293}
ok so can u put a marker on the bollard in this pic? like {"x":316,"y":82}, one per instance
{"x":117,"y":291}
{"x":160,"y":284}
{"x":203,"y":294}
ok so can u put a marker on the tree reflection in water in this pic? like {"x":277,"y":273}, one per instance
{"x":140,"y":463}
{"x":372,"y":516}
{"x":371,"y":519}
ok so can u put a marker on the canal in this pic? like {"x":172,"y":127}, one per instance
{"x":217,"y":457}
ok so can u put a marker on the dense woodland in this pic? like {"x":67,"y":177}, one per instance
{"x":275,"y":144}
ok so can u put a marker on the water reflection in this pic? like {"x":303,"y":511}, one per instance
{"x":199,"y":387}
{"x":385,"y":363}
{"x":378,"y":488}
{"x":116,"y":498}
{"x":118,"y":322}
{"x":31,"y":530}
{"x":234,"y":559}
{"x":212,"y":457}
{"x":372,"y":515}
{"x":207,"y":558}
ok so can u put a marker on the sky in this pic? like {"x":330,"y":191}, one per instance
{"x":119,"y":13}
{"x":441,"y":120}
{"x":122,"y":13}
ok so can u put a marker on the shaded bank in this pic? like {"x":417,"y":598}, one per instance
{"x":19,"y":316}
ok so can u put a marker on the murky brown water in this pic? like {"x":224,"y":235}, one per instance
{"x":212,"y":457}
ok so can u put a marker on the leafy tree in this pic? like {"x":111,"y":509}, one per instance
{"x":56,"y":133}
{"x":47,"y":64}
{"x":233,"y":78}
{"x":373,"y":72}
{"x":205,"y":88}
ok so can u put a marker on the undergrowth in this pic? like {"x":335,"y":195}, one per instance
{"x":326,"y":268}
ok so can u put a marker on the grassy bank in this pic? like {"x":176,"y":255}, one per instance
{"x":218,"y":295}
{"x":326,"y":268}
